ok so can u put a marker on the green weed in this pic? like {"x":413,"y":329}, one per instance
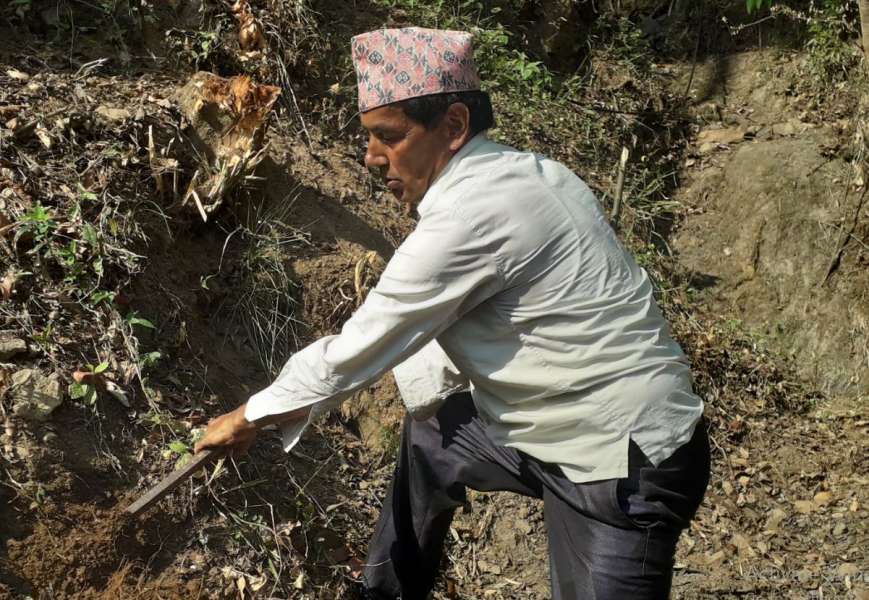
{"x":87,"y":390}
{"x":501,"y":63}
{"x":832,"y":24}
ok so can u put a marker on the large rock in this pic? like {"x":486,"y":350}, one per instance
{"x":34,"y":395}
{"x":779,"y":244}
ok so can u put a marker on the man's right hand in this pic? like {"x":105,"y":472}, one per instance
{"x":230,"y":431}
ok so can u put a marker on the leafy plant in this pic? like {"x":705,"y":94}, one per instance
{"x":181,"y":449}
{"x":831,"y":26}
{"x":149,"y":359}
{"x":38,"y":222}
{"x":501,"y":63}
{"x":85,"y":386}
{"x":755,"y":5}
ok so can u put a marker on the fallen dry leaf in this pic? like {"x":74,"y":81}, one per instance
{"x":299,"y":583}
{"x":804,"y":506}
{"x":45,"y":138}
{"x":250,"y":32}
{"x":773,"y":522}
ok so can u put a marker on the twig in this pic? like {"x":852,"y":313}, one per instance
{"x":843,"y":243}
{"x":620,"y":185}
{"x":286,"y":83}
{"x":199,"y":206}
{"x":696,"y":50}
{"x":89,"y":67}
{"x":152,"y":161}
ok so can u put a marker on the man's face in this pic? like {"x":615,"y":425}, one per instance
{"x":406,"y":154}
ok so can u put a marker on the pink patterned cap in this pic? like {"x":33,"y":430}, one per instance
{"x":397,"y":64}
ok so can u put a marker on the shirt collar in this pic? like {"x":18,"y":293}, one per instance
{"x":449,"y":172}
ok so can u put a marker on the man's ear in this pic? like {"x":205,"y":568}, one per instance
{"x":458,"y":125}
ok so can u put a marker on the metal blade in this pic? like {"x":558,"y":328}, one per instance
{"x":173,"y":480}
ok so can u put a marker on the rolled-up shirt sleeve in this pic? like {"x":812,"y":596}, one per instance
{"x":441,"y":271}
{"x":427,"y":379}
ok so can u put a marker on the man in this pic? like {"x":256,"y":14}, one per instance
{"x":526,"y":342}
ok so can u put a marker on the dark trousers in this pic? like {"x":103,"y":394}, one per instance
{"x":611,"y":539}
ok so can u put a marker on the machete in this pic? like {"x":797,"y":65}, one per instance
{"x":173,"y":480}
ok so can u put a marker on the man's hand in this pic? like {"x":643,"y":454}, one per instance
{"x":231,"y":432}
{"x":236,"y":434}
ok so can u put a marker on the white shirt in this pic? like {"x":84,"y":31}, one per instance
{"x":533,"y":305}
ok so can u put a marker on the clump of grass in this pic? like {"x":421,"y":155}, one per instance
{"x":267,"y":302}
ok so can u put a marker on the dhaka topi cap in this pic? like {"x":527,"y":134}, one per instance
{"x":397,"y":64}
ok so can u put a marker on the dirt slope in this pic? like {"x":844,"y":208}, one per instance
{"x":776,"y":237}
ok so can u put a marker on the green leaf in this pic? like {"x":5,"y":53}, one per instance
{"x":97,"y":265}
{"x":183,"y":460}
{"x":178,"y":447}
{"x":100,"y":296}
{"x":146,"y":360}
{"x":76,"y":390}
{"x":89,"y":233}
{"x":101,"y":367}
{"x":83,"y":391}
{"x":134,"y":319}
{"x":753,"y":5}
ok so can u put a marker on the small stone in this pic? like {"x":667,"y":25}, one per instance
{"x":487,"y":567}
{"x":35,"y":396}
{"x":848,"y":570}
{"x":113,"y":114}
{"x":823,"y":498}
{"x":804,"y":575}
{"x":10,"y":346}
{"x":839,"y":529}
{"x":784,"y":129}
{"x":707,"y":148}
{"x":523,"y":526}
{"x":729,"y":135}
{"x":804,"y":506}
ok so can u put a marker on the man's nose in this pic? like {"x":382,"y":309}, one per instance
{"x":375,"y":159}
